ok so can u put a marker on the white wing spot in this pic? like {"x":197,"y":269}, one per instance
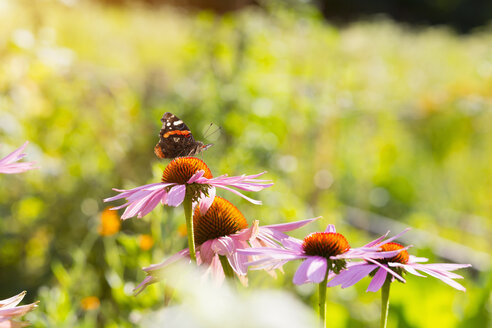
{"x":168,"y":124}
{"x":178,"y":122}
{"x":176,"y":139}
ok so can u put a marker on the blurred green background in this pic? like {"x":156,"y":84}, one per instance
{"x":373,"y":125}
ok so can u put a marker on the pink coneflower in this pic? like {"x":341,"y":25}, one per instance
{"x":181,"y":176}
{"x":401,"y":263}
{"x":9,"y":310}
{"x":324,"y":253}
{"x":8,"y":165}
{"x":219,"y":233}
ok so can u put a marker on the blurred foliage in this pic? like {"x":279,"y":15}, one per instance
{"x":373,"y":116}
{"x":461,"y":15}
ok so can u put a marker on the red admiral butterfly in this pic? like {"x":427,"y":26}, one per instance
{"x":176,"y":139}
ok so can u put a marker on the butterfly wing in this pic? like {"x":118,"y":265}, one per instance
{"x":175,"y":138}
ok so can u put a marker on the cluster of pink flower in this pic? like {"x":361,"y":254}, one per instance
{"x":9,"y":309}
{"x":224,"y":241}
{"x":227,"y":246}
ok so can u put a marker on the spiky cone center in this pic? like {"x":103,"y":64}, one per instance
{"x":401,"y":257}
{"x":181,"y":169}
{"x":221,"y":219}
{"x":327,"y":244}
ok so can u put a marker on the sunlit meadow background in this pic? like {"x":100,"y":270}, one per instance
{"x":372,"y":125}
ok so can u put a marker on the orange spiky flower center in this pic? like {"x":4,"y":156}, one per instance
{"x":181,"y":169}
{"x":325,"y":244}
{"x":401,"y":257}
{"x":221,"y":219}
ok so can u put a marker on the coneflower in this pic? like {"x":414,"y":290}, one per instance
{"x":219,"y":233}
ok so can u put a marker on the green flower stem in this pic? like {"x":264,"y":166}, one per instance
{"x":229,"y":273}
{"x":322,"y":300}
{"x":385,"y":293}
{"x":188,"y":208}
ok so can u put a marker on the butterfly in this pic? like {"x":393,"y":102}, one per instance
{"x":176,"y":140}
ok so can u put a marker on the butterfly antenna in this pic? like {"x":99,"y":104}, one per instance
{"x":206,"y":131}
{"x":213,"y":132}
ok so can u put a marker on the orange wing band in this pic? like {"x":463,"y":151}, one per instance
{"x":158,"y":152}
{"x":178,"y":132}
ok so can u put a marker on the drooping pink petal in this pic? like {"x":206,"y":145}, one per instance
{"x":407,"y":268}
{"x":182,"y":254}
{"x":17,"y":167}
{"x":141,"y":286}
{"x":250,"y":233}
{"x":154,"y":269}
{"x":12,"y":301}
{"x":251,"y":200}
{"x":385,"y":268}
{"x":254,"y":176}
{"x":144,"y":205}
{"x":176,"y":195}
{"x":131,"y":193}
{"x":440,"y":274}
{"x":207,"y":201}
{"x":365,"y":252}
{"x":141,"y":200}
{"x":9,"y":309}
{"x":301,"y":277}
{"x":206,"y":252}
{"x":317,"y":269}
{"x":446,"y":266}
{"x":293,"y":244}
{"x":273,"y":235}
{"x":274,"y":253}
{"x":216,"y":270}
{"x":394,"y":237}
{"x":143,"y":193}
{"x":415,"y":259}
{"x":350,"y":277}
{"x":223,"y":245}
{"x":378,"y":280}
{"x":238,"y":261}
{"x":196,"y":176}
{"x":8,"y":165}
{"x":376,"y":241}
{"x":265,"y":263}
{"x":15,"y":155}
{"x":16,"y":311}
{"x":244,"y":182}
{"x":151,"y":203}
{"x":283,"y":227}
{"x":271,"y":261}
{"x":246,"y":186}
{"x":164,"y":198}
{"x":134,"y":209}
